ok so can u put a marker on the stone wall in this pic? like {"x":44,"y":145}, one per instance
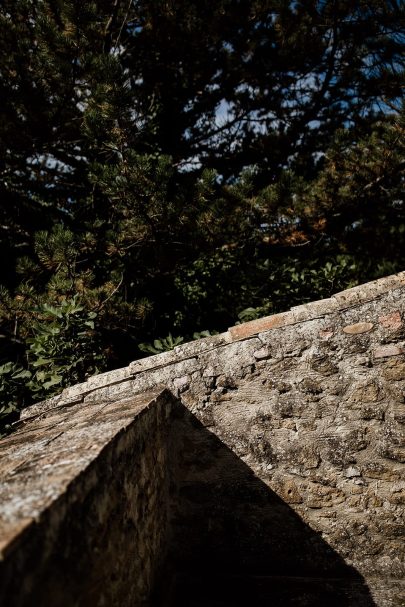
{"x":286,"y":447}
{"x":316,"y":411}
{"x":84,"y":506}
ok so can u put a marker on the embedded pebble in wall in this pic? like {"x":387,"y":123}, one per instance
{"x":326,"y":333}
{"x":352,"y":472}
{"x":357,"y":328}
{"x":262,"y":354}
{"x":391,"y":321}
{"x":388,"y":350}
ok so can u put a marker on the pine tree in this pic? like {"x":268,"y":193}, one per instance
{"x":123,"y":190}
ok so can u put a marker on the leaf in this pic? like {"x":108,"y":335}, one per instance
{"x":169,"y":340}
{"x":158,"y":344}
{"x":55,"y":379}
{"x":145,"y":347}
{"x":42,"y":361}
{"x":6,"y":368}
{"x":24,"y":374}
{"x":8,"y":408}
{"x":201,"y":334}
{"x":52,"y":310}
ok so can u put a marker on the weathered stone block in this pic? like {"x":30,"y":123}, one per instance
{"x":324,"y":364}
{"x":288,"y":490}
{"x":372,"y":412}
{"x":397,"y":497}
{"x":320,"y":496}
{"x":366,"y":392}
{"x":341,"y":450}
{"x":230,"y":360}
{"x":310,"y":386}
{"x":380,"y":471}
{"x":394,"y":370}
{"x":392,"y":443}
{"x":254,"y":327}
{"x":262,"y":354}
{"x":305,"y":456}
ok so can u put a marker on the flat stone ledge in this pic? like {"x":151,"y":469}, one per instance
{"x":180,"y":353}
{"x":32,"y":476}
{"x":369,"y":291}
{"x":254,"y":327}
{"x":51,"y":403}
{"x":320,"y":308}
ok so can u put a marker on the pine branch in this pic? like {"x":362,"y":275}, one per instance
{"x":109,"y":27}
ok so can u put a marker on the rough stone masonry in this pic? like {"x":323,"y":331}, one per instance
{"x":278,"y":449}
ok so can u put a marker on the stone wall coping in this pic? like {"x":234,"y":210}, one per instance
{"x":341,"y":301}
{"x":43,"y":456}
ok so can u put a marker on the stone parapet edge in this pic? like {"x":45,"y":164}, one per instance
{"x":316,"y":309}
{"x":19,"y":525}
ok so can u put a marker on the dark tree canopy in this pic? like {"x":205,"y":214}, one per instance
{"x":167,"y":166}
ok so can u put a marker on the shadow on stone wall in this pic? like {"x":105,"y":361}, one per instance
{"x":235,"y":542}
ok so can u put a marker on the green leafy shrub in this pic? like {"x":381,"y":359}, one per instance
{"x":64,"y":348}
{"x":168,"y":343}
{"x":162,"y":344}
